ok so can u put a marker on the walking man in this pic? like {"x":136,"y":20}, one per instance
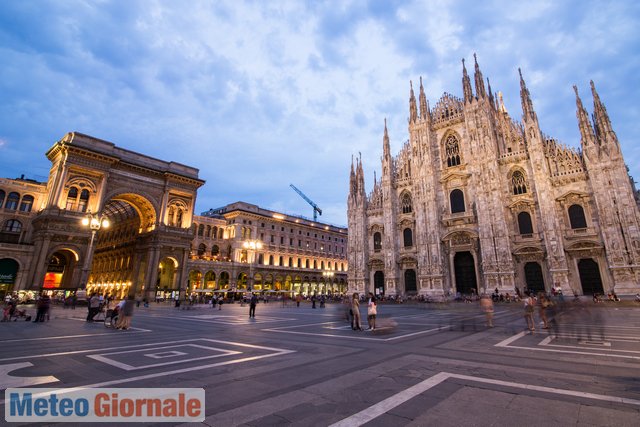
{"x":252,"y":305}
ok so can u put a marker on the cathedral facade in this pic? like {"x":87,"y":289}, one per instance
{"x":476,"y":200}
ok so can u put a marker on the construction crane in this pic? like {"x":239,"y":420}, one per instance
{"x":316,"y":209}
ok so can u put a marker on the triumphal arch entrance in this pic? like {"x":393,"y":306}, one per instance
{"x":114,"y":220}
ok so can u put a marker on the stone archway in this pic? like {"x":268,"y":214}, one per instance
{"x":149,"y":203}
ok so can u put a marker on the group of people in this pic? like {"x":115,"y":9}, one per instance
{"x":123,"y":309}
{"x":354,"y":312}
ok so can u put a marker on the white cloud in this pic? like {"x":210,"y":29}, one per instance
{"x":260,"y":94}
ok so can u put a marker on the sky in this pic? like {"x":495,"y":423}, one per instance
{"x":258,"y":95}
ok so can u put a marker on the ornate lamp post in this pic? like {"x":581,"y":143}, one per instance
{"x":95,"y":222}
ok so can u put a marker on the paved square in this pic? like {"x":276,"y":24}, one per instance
{"x":131,"y":360}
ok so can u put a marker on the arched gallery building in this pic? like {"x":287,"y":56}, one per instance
{"x":118,"y":222}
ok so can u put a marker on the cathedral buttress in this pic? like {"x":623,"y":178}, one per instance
{"x":551,"y":228}
{"x":614,"y":199}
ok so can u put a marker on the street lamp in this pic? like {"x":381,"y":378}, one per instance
{"x":95,"y":222}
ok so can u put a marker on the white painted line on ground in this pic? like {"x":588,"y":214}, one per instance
{"x":164,"y":354}
{"x":397,"y":399}
{"x":276,"y":352}
{"x":125,"y":366}
{"x":505,"y":344}
{"x":61,"y":337}
{"x":353,"y":337}
{"x":100,"y":322}
{"x":509,"y":340}
{"x":8,"y":381}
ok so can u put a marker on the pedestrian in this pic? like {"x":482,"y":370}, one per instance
{"x":298,"y":299}
{"x":93,"y":306}
{"x":322,"y":301}
{"x":126,"y":313}
{"x":486,"y":304}
{"x":529,"y":308}
{"x":313,"y":301}
{"x":355,"y":312}
{"x":42,"y":306}
{"x":543,"y":304}
{"x":372,"y":312}
{"x":220,"y":302}
{"x":252,"y":305}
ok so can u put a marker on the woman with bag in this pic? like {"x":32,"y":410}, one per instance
{"x":372,"y":311}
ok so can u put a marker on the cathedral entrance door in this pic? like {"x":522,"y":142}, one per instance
{"x":410,"y":286}
{"x":378,"y":283}
{"x":533,"y":277}
{"x":465,"y":272}
{"x":590,"y":277}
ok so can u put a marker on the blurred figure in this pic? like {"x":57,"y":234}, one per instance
{"x":529,"y":308}
{"x":543,"y":304}
{"x":486,"y":304}
{"x":355,"y":308}
{"x":372,"y":312}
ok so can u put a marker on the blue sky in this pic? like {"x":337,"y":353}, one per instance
{"x":261,"y":94}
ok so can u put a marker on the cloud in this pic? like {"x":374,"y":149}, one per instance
{"x":258,"y":95}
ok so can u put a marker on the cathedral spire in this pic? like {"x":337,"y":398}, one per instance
{"x":352,"y":179}
{"x":491,"y":98}
{"x":603,"y":129}
{"x":466,"y":84}
{"x":413,"y":110}
{"x":386,"y":148}
{"x":424,"y":109}
{"x":586,"y":131}
{"x":480,"y":91}
{"x":525,"y":98}
{"x":360,"y":177}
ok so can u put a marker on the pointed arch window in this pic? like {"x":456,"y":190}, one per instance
{"x":518,"y":183}
{"x":524,"y":223}
{"x":406,"y":203}
{"x":2,"y":196}
{"x":201,"y":230}
{"x":576,"y":217}
{"x":377,"y":241}
{"x":456,"y":198}
{"x":452,"y":151}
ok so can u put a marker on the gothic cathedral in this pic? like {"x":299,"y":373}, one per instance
{"x":476,"y":201}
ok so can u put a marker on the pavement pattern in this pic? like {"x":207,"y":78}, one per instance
{"x":424,"y":365}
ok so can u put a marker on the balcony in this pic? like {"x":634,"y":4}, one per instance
{"x":530,"y":238}
{"x":458,"y":218}
{"x":580,"y":233}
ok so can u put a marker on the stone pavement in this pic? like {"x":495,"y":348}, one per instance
{"x":429,"y":364}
